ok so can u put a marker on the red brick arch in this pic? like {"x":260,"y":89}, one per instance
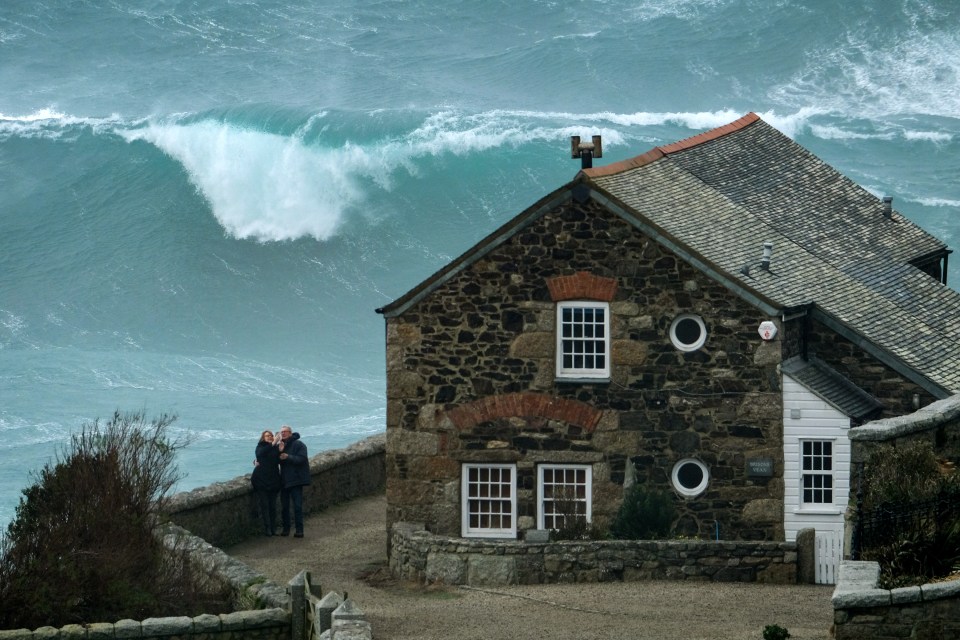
{"x":522,"y":405}
{"x":582,"y":286}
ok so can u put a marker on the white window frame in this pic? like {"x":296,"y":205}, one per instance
{"x":815,"y":473}
{"x":688,"y":346}
{"x":581,"y":372}
{"x":488,"y":500}
{"x":690,"y":492}
{"x":544,"y":495}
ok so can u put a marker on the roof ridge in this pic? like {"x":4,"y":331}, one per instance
{"x":681,"y":145}
{"x":712,"y":134}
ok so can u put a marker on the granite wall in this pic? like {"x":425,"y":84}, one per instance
{"x":861,"y":611}
{"x":421,"y":556}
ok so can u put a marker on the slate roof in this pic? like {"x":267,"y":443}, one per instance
{"x":833,"y":388}
{"x":720,"y":195}
{"x":717,"y":197}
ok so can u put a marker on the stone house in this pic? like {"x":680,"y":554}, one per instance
{"x":709,"y":319}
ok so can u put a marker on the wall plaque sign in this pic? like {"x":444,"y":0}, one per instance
{"x":760,"y":467}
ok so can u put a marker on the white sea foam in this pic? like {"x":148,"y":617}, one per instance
{"x":938,"y":202}
{"x":12,"y":322}
{"x":831,"y":132}
{"x":928,"y":136}
{"x":648,"y":10}
{"x":691,"y":120}
{"x":37,"y":116}
{"x":914,"y":71}
{"x":49,"y":123}
{"x":261,"y":185}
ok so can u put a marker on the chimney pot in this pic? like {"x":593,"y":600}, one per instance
{"x":765,"y":259}
{"x":586,"y":151}
{"x":887,"y":206}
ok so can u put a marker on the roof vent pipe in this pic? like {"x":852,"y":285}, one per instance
{"x":887,"y":206}
{"x":765,"y":259}
{"x":586,"y":151}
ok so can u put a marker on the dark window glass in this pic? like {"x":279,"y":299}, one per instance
{"x":688,"y":331}
{"x":690,"y":476}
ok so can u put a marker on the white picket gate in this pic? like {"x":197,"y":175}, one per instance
{"x":828,"y":551}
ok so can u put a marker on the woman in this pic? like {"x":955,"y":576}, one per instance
{"x":266,"y":480}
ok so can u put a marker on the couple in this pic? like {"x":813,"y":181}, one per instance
{"x":282,"y":466}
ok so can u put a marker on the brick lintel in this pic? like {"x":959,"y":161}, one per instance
{"x":522,"y":405}
{"x":582,"y":286}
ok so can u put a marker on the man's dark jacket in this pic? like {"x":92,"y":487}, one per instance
{"x":295,"y":470}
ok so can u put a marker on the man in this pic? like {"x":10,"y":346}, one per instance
{"x":294,"y":476}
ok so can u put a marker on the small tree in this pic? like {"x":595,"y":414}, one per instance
{"x":645,"y":514}
{"x":81,"y":546}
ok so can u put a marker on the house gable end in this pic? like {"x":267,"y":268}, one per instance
{"x":489,"y":243}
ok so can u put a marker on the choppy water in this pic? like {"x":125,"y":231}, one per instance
{"x":202,"y":203}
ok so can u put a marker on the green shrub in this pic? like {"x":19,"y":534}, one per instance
{"x":81,"y":546}
{"x":775,"y":632}
{"x":916,"y":556}
{"x":920,"y":548}
{"x":909,"y":472}
{"x":645,"y":514}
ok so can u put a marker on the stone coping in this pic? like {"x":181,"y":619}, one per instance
{"x":929,"y":417}
{"x":418,"y":531}
{"x":857,"y":588}
{"x":206,"y":623}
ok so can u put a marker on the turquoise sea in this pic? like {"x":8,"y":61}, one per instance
{"x":202,"y":203}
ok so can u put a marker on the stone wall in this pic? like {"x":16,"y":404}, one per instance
{"x":483,"y":342}
{"x":937,"y":423}
{"x":225,"y":513}
{"x":427,"y":558}
{"x":861,"y":611}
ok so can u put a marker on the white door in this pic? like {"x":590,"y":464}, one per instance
{"x":828,"y":552}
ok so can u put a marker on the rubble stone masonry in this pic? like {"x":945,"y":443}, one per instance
{"x":471,"y":378}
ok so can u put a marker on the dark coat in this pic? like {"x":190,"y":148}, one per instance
{"x":266,"y":475}
{"x":295,"y":470}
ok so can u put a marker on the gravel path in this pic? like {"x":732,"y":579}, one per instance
{"x":345,"y":547}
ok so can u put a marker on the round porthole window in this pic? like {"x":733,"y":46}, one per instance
{"x":690,"y":477}
{"x":688,"y":333}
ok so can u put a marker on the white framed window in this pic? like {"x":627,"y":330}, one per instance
{"x":690,"y":477}
{"x":688,"y":332}
{"x":489,"y":500}
{"x":583,"y":339}
{"x":566,"y":491}
{"x":816,"y":472}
